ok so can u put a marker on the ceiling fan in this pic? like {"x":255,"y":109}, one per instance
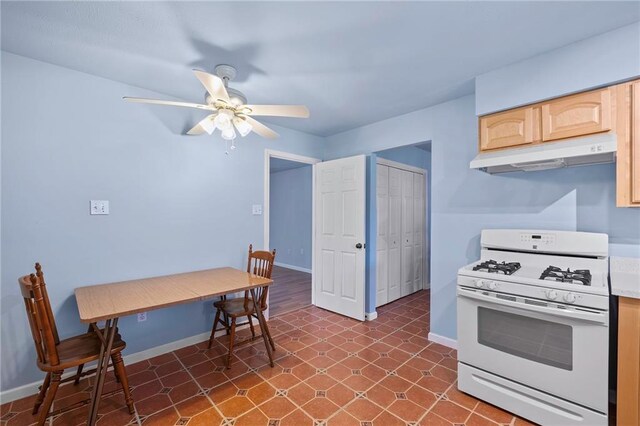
{"x":229,"y":111}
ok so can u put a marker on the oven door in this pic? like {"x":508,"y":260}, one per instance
{"x":557,"y":349}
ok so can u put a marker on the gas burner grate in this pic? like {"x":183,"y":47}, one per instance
{"x":492,"y":266}
{"x":578,"y":276}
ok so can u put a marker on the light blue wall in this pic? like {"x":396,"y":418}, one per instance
{"x":593,"y":62}
{"x":177,"y":202}
{"x":290,"y":216}
{"x":465,"y":201}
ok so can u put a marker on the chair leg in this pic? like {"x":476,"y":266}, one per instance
{"x":268,"y":333}
{"x":213,"y":329}
{"x":41,"y":394}
{"x":231,"y":339}
{"x":78,"y":373}
{"x":48,"y":400}
{"x":253,"y":331}
{"x":121,"y":374}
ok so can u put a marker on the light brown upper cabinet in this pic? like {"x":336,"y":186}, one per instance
{"x":510,"y":129}
{"x":577,"y":115}
{"x":627,"y":128}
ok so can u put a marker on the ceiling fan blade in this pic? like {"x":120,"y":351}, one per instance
{"x":170,"y":103}
{"x":260,"y":128}
{"x":213,"y":84}
{"x":205,"y":125}
{"x":296,"y":111}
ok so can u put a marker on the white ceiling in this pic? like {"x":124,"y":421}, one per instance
{"x":280,"y":165}
{"x":351,"y":63}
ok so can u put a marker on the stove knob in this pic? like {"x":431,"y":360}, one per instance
{"x":551,"y":294}
{"x":492,"y":285}
{"x":569,"y":297}
{"x":479,"y":283}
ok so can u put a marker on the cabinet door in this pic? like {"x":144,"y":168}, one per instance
{"x":418,"y":230}
{"x":577,"y":115}
{"x":394,"y":245}
{"x":511,"y":128}
{"x":635,"y":142}
{"x":407,"y":232}
{"x":382,"y":254}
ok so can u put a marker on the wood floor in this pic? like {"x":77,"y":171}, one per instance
{"x":291,"y":290}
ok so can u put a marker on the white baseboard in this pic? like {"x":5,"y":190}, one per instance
{"x":444,"y":341}
{"x":31,"y":388}
{"x":370,"y":316}
{"x":295,"y":268}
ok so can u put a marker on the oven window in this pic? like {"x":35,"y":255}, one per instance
{"x":537,"y":340}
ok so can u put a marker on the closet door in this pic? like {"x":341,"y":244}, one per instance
{"x":394,"y":245}
{"x":407,"y":233}
{"x":382,"y":240}
{"x":418,"y":230}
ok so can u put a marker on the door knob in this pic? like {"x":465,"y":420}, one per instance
{"x":359,"y":245}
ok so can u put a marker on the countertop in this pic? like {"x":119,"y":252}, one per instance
{"x":625,"y":276}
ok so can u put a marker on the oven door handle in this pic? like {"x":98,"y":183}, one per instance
{"x":599,"y":318}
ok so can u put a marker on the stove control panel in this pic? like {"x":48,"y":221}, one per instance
{"x":538,"y":241}
{"x":561,"y":296}
{"x":488,"y":284}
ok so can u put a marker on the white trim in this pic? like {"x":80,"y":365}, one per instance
{"x":444,"y":341}
{"x":400,"y":166}
{"x":295,"y":268}
{"x":268,"y":153}
{"x":29,"y":389}
{"x":370,"y":316}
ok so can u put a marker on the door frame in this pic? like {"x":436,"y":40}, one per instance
{"x":389,"y":163}
{"x":268,"y":154}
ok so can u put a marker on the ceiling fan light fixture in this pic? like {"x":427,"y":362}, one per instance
{"x":223,"y":119}
{"x":243,"y":127}
{"x":228,"y":134}
{"x":209,"y":125}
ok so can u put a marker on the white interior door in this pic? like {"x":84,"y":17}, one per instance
{"x":418,"y":230}
{"x":407,"y":232}
{"x":394,"y":245}
{"x":340,"y":233}
{"x":382,"y":254}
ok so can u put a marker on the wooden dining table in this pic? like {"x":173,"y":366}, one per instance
{"x":109,"y":302}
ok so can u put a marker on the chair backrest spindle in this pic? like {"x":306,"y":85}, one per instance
{"x":260,"y":263}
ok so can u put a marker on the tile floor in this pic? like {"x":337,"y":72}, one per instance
{"x":330,"y":370}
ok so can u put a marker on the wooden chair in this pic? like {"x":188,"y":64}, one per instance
{"x":55,"y":355}
{"x":259,"y":263}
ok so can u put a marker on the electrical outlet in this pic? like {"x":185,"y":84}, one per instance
{"x":257,"y":209}
{"x":142,"y":316}
{"x":99,"y":207}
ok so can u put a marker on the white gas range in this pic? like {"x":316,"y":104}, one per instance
{"x":533,"y":325}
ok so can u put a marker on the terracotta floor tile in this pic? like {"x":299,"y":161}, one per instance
{"x":192,"y":406}
{"x":117,"y":418}
{"x":303,"y":371}
{"x":175,"y":379}
{"x":213,"y":379}
{"x":342,"y":418}
{"x":363,"y":409}
{"x":296,"y":418}
{"x":184,"y":391}
{"x":433,"y":384}
{"x":460,"y":398}
{"x":153,"y":404}
{"x":320,"y":408}
{"x":450,"y":411}
{"x":432,"y":419}
{"x":208,"y":417}
{"x":387,"y":419}
{"x":168,"y":417}
{"x":421,"y":396}
{"x":321,"y":382}
{"x":260,"y":393}
{"x":444,"y":374}
{"x":354,"y":363}
{"x":381,"y":396}
{"x":477,"y":420}
{"x":340,"y":395}
{"x":284,"y":381}
{"x":358,"y":383}
{"x":160,"y":359}
{"x":142,"y":377}
{"x":301,"y":394}
{"x":253,"y":418}
{"x":223,"y":392}
{"x":277,"y":407}
{"x":201,"y":369}
{"x":235,"y":406}
{"x":407,"y":410}
{"x":494,"y":413}
{"x":339,"y":372}
{"x":168,"y":368}
{"x":395,"y":383}
{"x":247,"y":381}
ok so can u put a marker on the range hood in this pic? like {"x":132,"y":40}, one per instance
{"x":593,"y":149}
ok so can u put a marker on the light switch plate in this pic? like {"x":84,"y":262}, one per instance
{"x":257,"y":209}
{"x":99,"y":207}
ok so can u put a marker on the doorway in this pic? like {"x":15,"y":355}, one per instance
{"x":288,"y":229}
